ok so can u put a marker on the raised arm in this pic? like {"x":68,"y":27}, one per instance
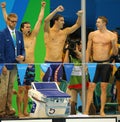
{"x":50,"y":16}
{"x":39,"y":21}
{"x":3,"y":6}
{"x":70,"y":30}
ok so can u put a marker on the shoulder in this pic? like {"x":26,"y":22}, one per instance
{"x":112,"y":34}
{"x":91,"y":34}
{"x":65,"y":31}
{"x":4,"y":30}
{"x":94,"y":32}
{"x":19,"y":32}
{"x":1,"y":36}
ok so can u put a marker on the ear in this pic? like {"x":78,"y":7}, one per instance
{"x":22,"y":29}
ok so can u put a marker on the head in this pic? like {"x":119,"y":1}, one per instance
{"x":101,"y":22}
{"x":25,"y":28}
{"x":75,"y":45}
{"x":58,"y":20}
{"x":79,"y":45}
{"x":12,"y":19}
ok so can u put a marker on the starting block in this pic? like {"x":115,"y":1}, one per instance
{"x":48,"y":100}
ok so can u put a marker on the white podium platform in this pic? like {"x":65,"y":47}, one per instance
{"x":67,"y":119}
{"x":48,"y":100}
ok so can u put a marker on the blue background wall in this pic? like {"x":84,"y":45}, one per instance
{"x":94,"y":8}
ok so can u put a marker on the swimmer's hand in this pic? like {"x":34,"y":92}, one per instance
{"x":60,"y":8}
{"x":20,"y":58}
{"x":79,"y":13}
{"x":43,"y":3}
{"x":3,"y":4}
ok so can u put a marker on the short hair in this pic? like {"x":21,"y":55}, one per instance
{"x":104,"y":19}
{"x":56,"y":17}
{"x":22,"y":25}
{"x":12,"y":15}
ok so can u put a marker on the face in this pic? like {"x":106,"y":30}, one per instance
{"x":12,"y":21}
{"x":100,"y":24}
{"x":80,"y":47}
{"x":60,"y":22}
{"x":27,"y":29}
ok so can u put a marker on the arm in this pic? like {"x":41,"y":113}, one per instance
{"x":3,"y":6}
{"x":70,"y":30}
{"x":114,"y":45}
{"x":89,"y":47}
{"x":78,"y":53}
{"x":50,"y":16}
{"x":39,"y":21}
{"x":2,"y":47}
{"x":21,"y":57}
{"x":66,"y":57}
{"x":2,"y":53}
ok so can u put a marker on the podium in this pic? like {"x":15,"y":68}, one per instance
{"x":48,"y":100}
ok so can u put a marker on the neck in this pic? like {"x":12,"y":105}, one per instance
{"x":10,"y":28}
{"x":56,"y":28}
{"x":103,"y":30}
{"x":26,"y":35}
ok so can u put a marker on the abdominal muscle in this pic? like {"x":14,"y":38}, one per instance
{"x":101,"y":52}
{"x":54,"y":56}
{"x":29,"y":56}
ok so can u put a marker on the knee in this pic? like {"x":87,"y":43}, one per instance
{"x":104,"y":87}
{"x":20,"y":90}
{"x":91,"y":87}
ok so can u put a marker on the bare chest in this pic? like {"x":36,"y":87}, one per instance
{"x":57,"y":35}
{"x":56,"y":39}
{"x":101,"y":39}
{"x":28,"y":43}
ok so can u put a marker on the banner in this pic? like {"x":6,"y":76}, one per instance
{"x":91,"y":70}
{"x":21,"y":71}
{"x":44,"y":66}
{"x":117,"y":64}
{"x":68,"y":70}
